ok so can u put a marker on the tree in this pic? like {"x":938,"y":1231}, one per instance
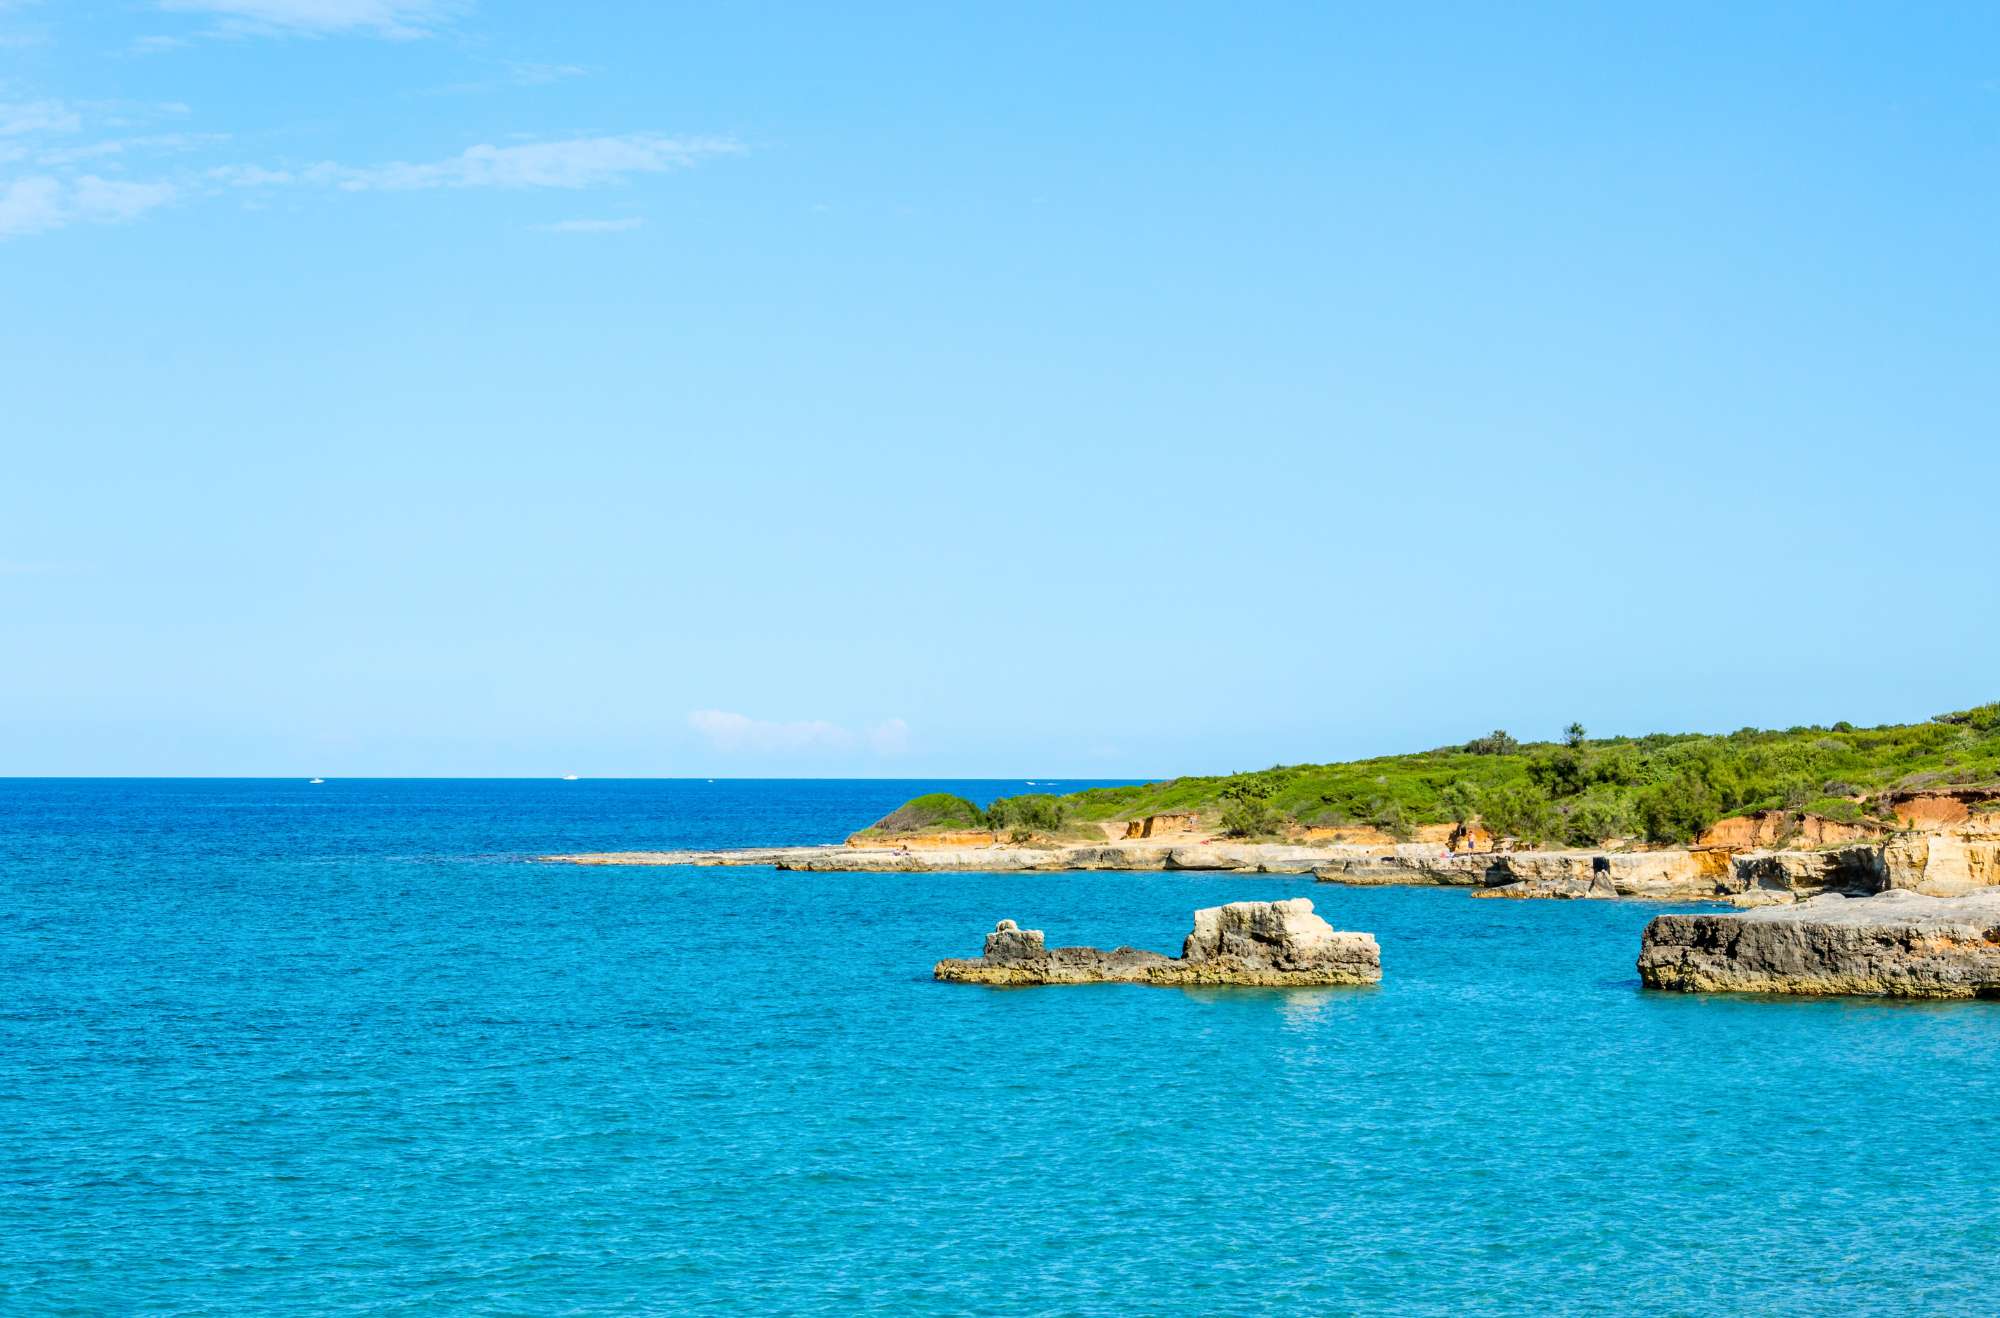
{"x":1498,"y":742}
{"x":1560,"y":774}
{"x":1573,"y":735}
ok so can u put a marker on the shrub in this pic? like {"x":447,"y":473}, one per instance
{"x":1678,"y":809}
{"x":933,"y":813}
{"x":1459,"y":800}
{"x":1519,"y":810}
{"x":1023,"y":816}
{"x":1596,"y":817}
{"x":1389,"y":817}
{"x":1980,"y":718}
{"x":1249,"y":817}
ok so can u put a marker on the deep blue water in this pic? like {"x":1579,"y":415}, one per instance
{"x":272,"y":1048}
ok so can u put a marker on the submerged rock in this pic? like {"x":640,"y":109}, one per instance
{"x":1267,"y":943}
{"x":1892,"y":944}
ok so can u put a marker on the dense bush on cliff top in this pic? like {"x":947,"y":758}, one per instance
{"x":936,"y":813}
{"x":1579,"y":791}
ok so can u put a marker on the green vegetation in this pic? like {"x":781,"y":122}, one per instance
{"x":938,"y":812}
{"x":1022,"y":817}
{"x":1576,"y":791}
{"x":1016,"y":818}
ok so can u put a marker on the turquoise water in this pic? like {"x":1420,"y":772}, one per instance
{"x":271,"y":1048}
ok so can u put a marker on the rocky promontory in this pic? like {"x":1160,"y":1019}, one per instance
{"x":1942,"y":844}
{"x":1895,"y":943}
{"x":1254,"y":943}
{"x":1938,"y":864}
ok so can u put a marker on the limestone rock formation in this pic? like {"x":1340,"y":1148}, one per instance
{"x":1261,"y":943}
{"x":1895,"y":943}
{"x":1163,"y":826}
{"x":1941,"y":862}
{"x":1656,"y":875}
{"x":1765,"y":877}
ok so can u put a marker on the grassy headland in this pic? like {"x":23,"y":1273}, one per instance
{"x":1578,"y":791}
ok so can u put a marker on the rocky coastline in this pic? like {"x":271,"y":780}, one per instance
{"x":1265,"y":944}
{"x":1937,"y":864}
{"x":1895,"y":943}
{"x":1911,"y":912}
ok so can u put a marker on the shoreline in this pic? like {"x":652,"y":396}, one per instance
{"x":1739,"y":877}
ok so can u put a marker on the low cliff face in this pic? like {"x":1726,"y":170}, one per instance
{"x":1655,"y":875}
{"x":1774,"y":828}
{"x":1947,"y":808}
{"x":1942,"y":864}
{"x":1895,"y":944}
{"x":1935,"y":863}
{"x":958,"y":837}
{"x":1767,"y":877}
{"x":1258,"y":943}
{"x":1163,"y":826}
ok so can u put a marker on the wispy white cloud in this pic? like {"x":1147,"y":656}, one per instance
{"x":52,"y":176}
{"x":21,"y":117}
{"x":120,"y":146}
{"x":579,"y":162}
{"x":592,"y":226}
{"x":514,"y":73}
{"x":43,"y":202}
{"x":398,"y":19}
{"x":736,"y":734}
{"x":529,"y":73}
{"x":54,"y":193}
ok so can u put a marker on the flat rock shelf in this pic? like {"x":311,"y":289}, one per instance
{"x":1892,"y":944}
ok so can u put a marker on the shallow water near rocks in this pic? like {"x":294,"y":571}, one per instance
{"x":272,"y":1047}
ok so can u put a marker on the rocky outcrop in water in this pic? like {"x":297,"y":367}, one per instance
{"x":1260,"y":943}
{"x":1895,"y":943}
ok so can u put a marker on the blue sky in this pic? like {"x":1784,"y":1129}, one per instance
{"x":391,"y":387}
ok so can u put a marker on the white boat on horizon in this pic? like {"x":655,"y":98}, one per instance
{"x":569,"y":777}
{"x":311,"y":781}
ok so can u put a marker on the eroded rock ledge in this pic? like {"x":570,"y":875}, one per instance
{"x":1258,"y":943}
{"x":1938,"y":864}
{"x":1896,"y":943}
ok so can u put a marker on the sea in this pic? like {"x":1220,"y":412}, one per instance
{"x":273,"y":1047}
